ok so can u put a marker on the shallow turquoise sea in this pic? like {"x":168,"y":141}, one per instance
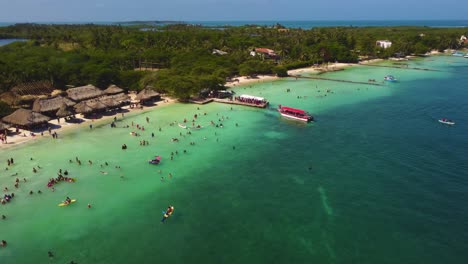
{"x":375,"y":179}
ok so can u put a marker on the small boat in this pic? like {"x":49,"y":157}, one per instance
{"x":446,"y":121}
{"x":458,"y":54}
{"x":67,"y":204}
{"x":155,"y":161}
{"x":390,"y":78}
{"x":295,"y":114}
{"x":182,"y":126}
{"x":466,"y":56}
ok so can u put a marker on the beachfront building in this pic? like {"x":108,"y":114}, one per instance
{"x":26,"y":118}
{"x":50,"y":106}
{"x":82,"y":93}
{"x":385,"y":44}
{"x":263,"y":52}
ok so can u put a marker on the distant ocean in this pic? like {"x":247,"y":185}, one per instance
{"x":290,"y":23}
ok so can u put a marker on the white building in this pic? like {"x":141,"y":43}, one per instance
{"x":384,"y":43}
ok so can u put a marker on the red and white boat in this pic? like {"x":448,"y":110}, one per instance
{"x":294,"y":113}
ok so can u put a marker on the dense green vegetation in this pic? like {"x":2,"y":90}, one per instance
{"x":103,"y":55}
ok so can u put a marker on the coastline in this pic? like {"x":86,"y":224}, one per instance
{"x":63,"y":127}
{"x":245,"y":80}
{"x":20,"y":139}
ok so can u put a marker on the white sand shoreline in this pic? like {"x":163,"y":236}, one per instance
{"x":19,"y":138}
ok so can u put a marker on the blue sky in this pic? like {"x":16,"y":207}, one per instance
{"x":205,"y":10}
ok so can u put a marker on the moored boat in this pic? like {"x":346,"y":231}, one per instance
{"x":294,"y":113}
{"x":390,"y":78}
{"x":446,"y":121}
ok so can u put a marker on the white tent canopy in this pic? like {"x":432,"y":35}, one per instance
{"x":245,"y":96}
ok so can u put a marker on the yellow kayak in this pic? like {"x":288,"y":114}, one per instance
{"x":65,"y":204}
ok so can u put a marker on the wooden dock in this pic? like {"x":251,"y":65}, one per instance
{"x":201,"y":102}
{"x":336,"y":80}
{"x":227,"y":101}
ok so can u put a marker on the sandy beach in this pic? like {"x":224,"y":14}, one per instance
{"x":24,"y":136}
{"x":245,"y":80}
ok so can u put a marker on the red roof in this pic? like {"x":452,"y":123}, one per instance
{"x":294,"y":110}
{"x":264,"y":50}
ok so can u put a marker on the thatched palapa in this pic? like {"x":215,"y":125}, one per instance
{"x":3,"y":126}
{"x":83,"y":108}
{"x":26,"y":118}
{"x":51,"y":105}
{"x":89,"y":91}
{"x":97,"y":105}
{"x":113,"y":89}
{"x":146,"y":95}
{"x":64,"y":111}
{"x":121,"y":97}
{"x":110,"y":102}
{"x":33,"y":88}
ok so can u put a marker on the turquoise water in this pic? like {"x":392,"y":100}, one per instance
{"x":376,"y":179}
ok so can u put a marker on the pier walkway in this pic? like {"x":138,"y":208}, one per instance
{"x":399,"y":67}
{"x":335,"y":80}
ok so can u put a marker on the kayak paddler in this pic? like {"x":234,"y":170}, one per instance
{"x":169,"y":211}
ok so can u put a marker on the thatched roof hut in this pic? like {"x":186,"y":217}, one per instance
{"x":83,"y":108}
{"x":33,"y":88}
{"x":3,"y":126}
{"x":121,"y":97}
{"x":113,"y":89}
{"x":26,"y":118}
{"x":51,"y":105}
{"x":96,"y":105}
{"x":64,"y":111}
{"x":89,"y":91}
{"x":110,"y":102}
{"x":146,"y":95}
